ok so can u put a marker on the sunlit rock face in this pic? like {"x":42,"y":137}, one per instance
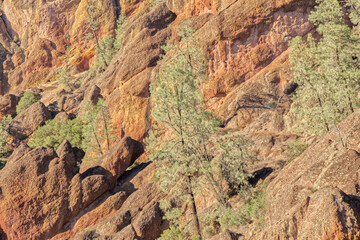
{"x":49,"y":195}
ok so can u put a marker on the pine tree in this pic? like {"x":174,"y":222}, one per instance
{"x":182,"y":154}
{"x":97,"y":127}
{"x":327,"y":71}
{"x":106,"y":48}
{"x":64,"y":80}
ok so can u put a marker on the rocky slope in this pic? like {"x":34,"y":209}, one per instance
{"x":44,"y":195}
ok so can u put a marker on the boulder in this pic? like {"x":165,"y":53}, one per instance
{"x":18,"y":58}
{"x":92,"y":94}
{"x":44,"y":189}
{"x":8,"y":104}
{"x":108,"y":207}
{"x":117,"y":159}
{"x":138,"y":218}
{"x":23,"y":125}
{"x":70,"y":102}
{"x":34,"y":189}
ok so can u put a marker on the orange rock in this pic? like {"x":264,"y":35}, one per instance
{"x":44,"y":189}
{"x":106,"y":19}
{"x":317,"y":195}
{"x":129,"y":6}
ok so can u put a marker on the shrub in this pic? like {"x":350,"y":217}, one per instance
{"x":4,"y":148}
{"x":252,"y":209}
{"x":173,"y":233}
{"x":53,"y":133}
{"x":27,"y":100}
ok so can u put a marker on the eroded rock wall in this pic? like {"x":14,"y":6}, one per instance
{"x":43,"y":194}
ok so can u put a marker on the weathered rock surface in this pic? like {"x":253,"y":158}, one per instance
{"x":23,"y":125}
{"x":43,"y":194}
{"x":125,"y":84}
{"x":42,"y":188}
{"x":8,"y":104}
{"x":139,"y":218}
{"x":317,"y":196}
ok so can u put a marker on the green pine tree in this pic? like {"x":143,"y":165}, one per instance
{"x":327,"y":71}
{"x":97,"y":127}
{"x":53,"y":133}
{"x":108,"y":46}
{"x":64,"y":80}
{"x":179,"y":140}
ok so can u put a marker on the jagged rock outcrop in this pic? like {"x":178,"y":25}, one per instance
{"x":41,"y":189}
{"x":24,"y":124}
{"x":8,"y":104}
{"x":45,"y":195}
{"x":138,"y":218}
{"x":44,"y":31}
{"x":247,"y":45}
{"x":125,"y":84}
{"x":317,"y":196}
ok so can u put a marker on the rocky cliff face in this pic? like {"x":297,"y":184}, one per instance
{"x":43,"y":195}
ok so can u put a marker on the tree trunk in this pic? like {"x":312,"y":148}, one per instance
{"x":193,"y":209}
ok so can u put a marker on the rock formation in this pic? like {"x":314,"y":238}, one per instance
{"x":48,"y":194}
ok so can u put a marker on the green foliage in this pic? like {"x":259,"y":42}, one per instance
{"x":68,"y":49}
{"x":119,"y":32}
{"x":53,"y":133}
{"x":173,"y":233}
{"x":178,"y":108}
{"x":85,"y":132}
{"x":105,"y":51}
{"x":232,"y":159}
{"x":15,"y":39}
{"x":64,"y":80}
{"x":2,"y":164}
{"x":4,"y":147}
{"x":183,"y":158}
{"x":92,"y":15}
{"x":295,"y":149}
{"x":97,"y":127}
{"x":109,"y":46}
{"x":354,"y":13}
{"x":252,"y":209}
{"x":27,"y":100}
{"x":327,"y":72}
{"x":134,"y":165}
